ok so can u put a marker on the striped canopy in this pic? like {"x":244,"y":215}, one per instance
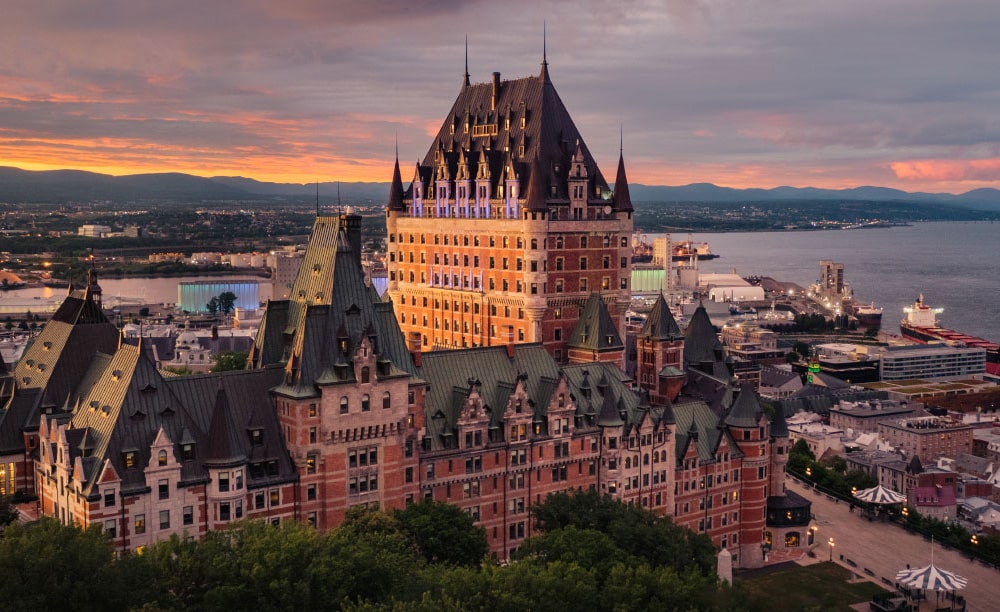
{"x":880,"y":495}
{"x":931,"y":577}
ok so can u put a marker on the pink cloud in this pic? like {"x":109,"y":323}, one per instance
{"x":948,"y":169}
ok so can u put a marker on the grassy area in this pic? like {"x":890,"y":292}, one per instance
{"x":822,"y":586}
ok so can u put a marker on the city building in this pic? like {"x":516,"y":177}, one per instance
{"x":194,"y":296}
{"x":928,"y":437}
{"x":931,"y":361}
{"x":532,"y":228}
{"x":93,"y":231}
{"x":865,"y":416}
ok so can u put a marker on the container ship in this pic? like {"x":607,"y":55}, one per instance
{"x":920,"y":325}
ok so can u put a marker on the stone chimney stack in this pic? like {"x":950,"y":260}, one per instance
{"x":414,"y":341}
{"x":496,"y":90}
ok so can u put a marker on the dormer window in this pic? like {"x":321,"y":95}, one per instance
{"x":257,"y":436}
{"x":161,"y":458}
{"x":129,"y":458}
{"x":187,"y":451}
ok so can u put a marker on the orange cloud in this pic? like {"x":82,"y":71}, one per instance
{"x":948,"y":169}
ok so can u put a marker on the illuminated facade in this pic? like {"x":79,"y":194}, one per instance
{"x":507,"y":226}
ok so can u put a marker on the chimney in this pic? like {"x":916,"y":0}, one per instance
{"x":496,"y":90}
{"x":415,"y":340}
{"x":352,"y":225}
{"x":510,"y":328}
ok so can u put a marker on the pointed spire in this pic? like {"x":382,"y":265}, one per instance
{"x":621,"y":199}
{"x":544,"y":76}
{"x":536,"y":198}
{"x":465,"y":82}
{"x":609,"y":415}
{"x":396,"y":188}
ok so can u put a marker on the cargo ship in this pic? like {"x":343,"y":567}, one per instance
{"x":868,"y":315}
{"x":686,"y":249}
{"x":920,"y":325}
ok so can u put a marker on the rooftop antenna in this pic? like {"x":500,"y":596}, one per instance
{"x":317,"y":197}
{"x":621,"y":140}
{"x":545,"y":57}
{"x":466,"y":82}
{"x":338,"y":195}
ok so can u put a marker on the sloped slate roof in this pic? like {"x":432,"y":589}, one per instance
{"x":452,"y":373}
{"x":330,"y":312}
{"x":701,"y":344}
{"x":126,"y":402}
{"x":62,"y":352}
{"x":660,"y":324}
{"x":694,"y":417}
{"x":746,"y":410}
{"x":484,"y":126}
{"x":595,"y":330}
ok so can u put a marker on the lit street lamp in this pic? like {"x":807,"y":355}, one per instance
{"x":830,"y":542}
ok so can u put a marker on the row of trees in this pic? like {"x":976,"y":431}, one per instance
{"x":829,"y":474}
{"x":593,"y":554}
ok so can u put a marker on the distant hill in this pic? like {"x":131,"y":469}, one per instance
{"x":980,"y":199}
{"x":327,"y":191}
{"x":18,"y":185}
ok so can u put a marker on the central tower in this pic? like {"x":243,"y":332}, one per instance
{"x":508,"y":224}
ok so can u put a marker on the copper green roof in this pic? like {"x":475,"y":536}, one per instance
{"x":595,"y":330}
{"x":746,"y":410}
{"x":660,"y":324}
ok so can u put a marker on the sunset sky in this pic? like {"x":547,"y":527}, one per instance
{"x":741,"y":93}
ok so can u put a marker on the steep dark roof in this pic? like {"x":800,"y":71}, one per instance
{"x":126,"y":404}
{"x":622,"y":200}
{"x":486,"y":128}
{"x":609,"y":415}
{"x":779,"y":426}
{"x":223,"y":441}
{"x":746,"y":410}
{"x":701,"y":344}
{"x":396,"y":189}
{"x":660,"y":324}
{"x":330,"y":312}
{"x":57,"y":358}
{"x":595,"y":330}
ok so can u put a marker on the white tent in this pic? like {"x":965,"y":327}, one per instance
{"x":880,"y":495}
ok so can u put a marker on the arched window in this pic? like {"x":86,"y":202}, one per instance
{"x":645,"y":459}
{"x":628,"y":462}
{"x":161,"y":458}
{"x":365,"y":403}
{"x":386,"y":400}
{"x":343,"y":405}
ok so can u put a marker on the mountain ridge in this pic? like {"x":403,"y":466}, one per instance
{"x":21,"y":185}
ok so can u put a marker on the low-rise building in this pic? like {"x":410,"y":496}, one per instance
{"x":865,"y":415}
{"x":928,"y":437}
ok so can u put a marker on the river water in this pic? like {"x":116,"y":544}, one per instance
{"x":954,"y":265}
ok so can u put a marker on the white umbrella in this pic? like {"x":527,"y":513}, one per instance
{"x":880,"y":495}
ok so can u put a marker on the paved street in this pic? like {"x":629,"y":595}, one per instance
{"x":885,"y":549}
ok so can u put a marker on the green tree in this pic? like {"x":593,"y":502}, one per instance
{"x":443,"y":533}
{"x":229,"y":360}
{"x":213,"y":306}
{"x":49,"y":566}
{"x":227,"y":301}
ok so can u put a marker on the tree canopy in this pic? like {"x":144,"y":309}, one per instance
{"x":427,"y":557}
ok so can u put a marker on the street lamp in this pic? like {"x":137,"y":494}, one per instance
{"x":974,"y":539}
{"x":831,"y":543}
